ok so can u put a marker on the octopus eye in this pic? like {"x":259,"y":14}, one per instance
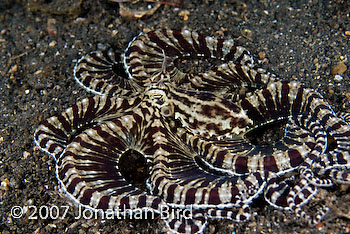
{"x":167,"y":110}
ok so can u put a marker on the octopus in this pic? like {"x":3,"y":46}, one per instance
{"x":193,"y":134}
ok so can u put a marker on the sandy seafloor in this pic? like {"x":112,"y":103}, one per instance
{"x":40,"y":40}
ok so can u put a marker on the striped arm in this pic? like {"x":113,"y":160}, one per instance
{"x":293,"y":99}
{"x":55,"y":133}
{"x":144,"y":56}
{"x":239,"y":156}
{"x":102,"y":73}
{"x":340,"y":175}
{"x":181,"y":179}
{"x":180,"y":182}
{"x":239,"y":214}
{"x":186,"y":221}
{"x":345,"y":116}
{"x":335,"y":162}
{"x":230,"y":75}
{"x":304,"y":136}
{"x":280,"y":195}
{"x":89,"y":172}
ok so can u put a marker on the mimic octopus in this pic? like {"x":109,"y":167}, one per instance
{"x":192,"y":132}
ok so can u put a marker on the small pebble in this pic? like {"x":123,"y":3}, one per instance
{"x":13,"y":69}
{"x":340,"y":68}
{"x":79,"y":20}
{"x":184,"y":14}
{"x":52,"y":44}
{"x":52,"y":225}
{"x":261,"y":55}
{"x":114,"y":33}
{"x":338,"y":78}
{"x":26,"y":154}
{"x":51,"y":27}
{"x":38,"y":72}
{"x":5,"y":184}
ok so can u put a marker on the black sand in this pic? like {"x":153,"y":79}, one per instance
{"x":39,"y":41}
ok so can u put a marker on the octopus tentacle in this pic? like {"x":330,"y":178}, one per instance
{"x":282,"y":196}
{"x":89,"y":170}
{"x":144,"y":56}
{"x":102,"y":73}
{"x":55,"y":133}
